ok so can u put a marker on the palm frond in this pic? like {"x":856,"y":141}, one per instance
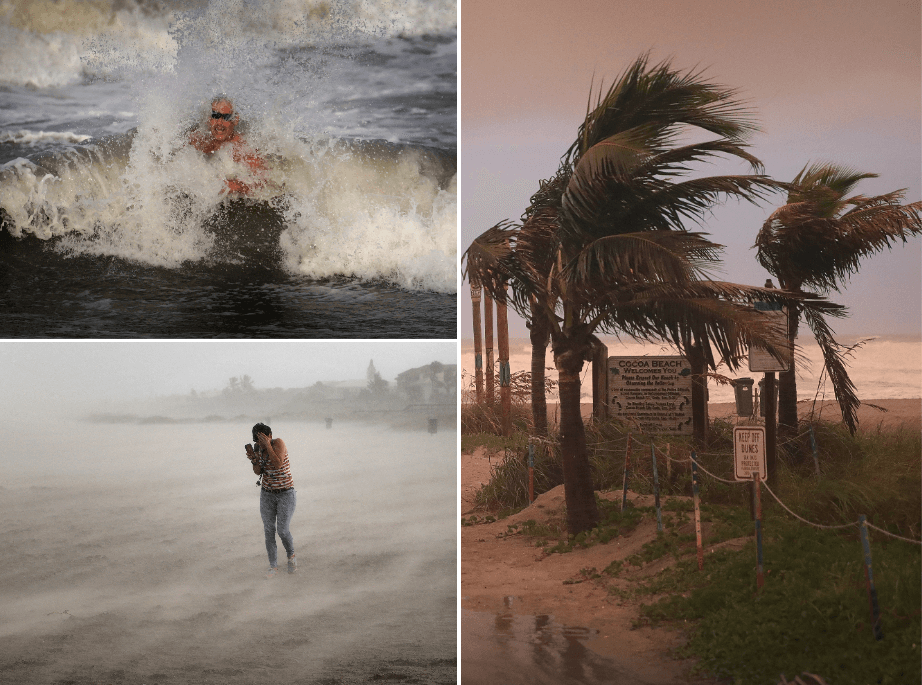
{"x":834,"y":360}
{"x":486,"y":262}
{"x":837,"y":178}
{"x":820,"y":238}
{"x":717,"y":311}
{"x":676,"y":160}
{"x":642,"y":257}
{"x":662,"y":98}
{"x":691,"y":199}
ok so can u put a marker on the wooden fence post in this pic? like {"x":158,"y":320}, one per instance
{"x":816,"y":458}
{"x":869,"y":578}
{"x":531,"y":472}
{"x":694,"y":470}
{"x":659,"y":513}
{"x":669,"y":464}
{"x":627,"y":468}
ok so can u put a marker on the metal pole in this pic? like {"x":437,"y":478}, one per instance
{"x":771,"y":429}
{"x":816,"y":458}
{"x":478,"y":343}
{"x":659,"y":513}
{"x":488,"y":343}
{"x":505,"y":373}
{"x":694,"y":469}
{"x":627,"y":468}
{"x":760,"y":577}
{"x":869,"y":578}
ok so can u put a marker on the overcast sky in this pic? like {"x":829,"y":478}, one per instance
{"x":835,"y":81}
{"x":38,"y":374}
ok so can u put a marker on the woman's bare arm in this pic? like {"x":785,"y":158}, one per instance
{"x":275,"y":450}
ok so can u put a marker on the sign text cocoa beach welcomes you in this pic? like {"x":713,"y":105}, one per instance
{"x":652,"y":392}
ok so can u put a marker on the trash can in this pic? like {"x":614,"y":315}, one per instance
{"x":742,"y":389}
{"x":433,"y":425}
{"x":329,"y":423}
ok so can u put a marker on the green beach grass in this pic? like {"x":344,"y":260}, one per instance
{"x":813,"y":613}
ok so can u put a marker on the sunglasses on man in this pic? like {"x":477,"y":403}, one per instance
{"x":219,"y":115}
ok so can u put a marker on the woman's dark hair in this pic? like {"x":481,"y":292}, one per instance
{"x":261,"y":428}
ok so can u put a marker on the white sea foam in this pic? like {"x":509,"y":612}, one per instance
{"x":372,"y":213}
{"x":31,"y":138}
{"x":369,"y":211}
{"x":46,"y":43}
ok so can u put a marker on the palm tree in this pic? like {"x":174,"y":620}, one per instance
{"x":817,"y":240}
{"x":621,"y":260}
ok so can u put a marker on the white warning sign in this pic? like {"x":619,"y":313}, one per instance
{"x":652,"y":392}
{"x":749,"y":452}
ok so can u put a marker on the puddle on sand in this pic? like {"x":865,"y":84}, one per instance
{"x":533,"y":650}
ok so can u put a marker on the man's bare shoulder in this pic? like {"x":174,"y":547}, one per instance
{"x":198,"y":140}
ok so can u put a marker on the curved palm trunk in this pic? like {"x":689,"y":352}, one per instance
{"x":539,"y":335}
{"x":787,"y":386}
{"x":582,"y":511}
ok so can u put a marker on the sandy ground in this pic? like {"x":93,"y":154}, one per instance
{"x":872,"y":414}
{"x":123,"y":565}
{"x":505,"y":574}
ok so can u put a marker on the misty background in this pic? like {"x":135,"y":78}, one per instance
{"x":44,"y":379}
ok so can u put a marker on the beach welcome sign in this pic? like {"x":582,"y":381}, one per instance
{"x":653,"y":393}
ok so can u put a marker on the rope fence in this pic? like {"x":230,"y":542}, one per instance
{"x":757,"y":485}
{"x":892,"y":535}
{"x":687,"y":460}
{"x":630,"y":469}
{"x":537,"y":440}
{"x":800,"y":518}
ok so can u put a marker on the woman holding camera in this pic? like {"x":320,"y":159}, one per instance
{"x":269,"y":458}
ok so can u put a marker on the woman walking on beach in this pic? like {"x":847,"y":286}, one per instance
{"x":269,"y":458}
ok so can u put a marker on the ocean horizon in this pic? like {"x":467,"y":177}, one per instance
{"x":871,"y":365}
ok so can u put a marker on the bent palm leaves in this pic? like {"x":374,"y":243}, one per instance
{"x":818,"y":240}
{"x":603,"y":247}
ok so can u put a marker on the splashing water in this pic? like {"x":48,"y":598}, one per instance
{"x":350,"y":105}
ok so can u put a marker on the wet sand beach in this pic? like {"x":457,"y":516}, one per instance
{"x":143,"y":560}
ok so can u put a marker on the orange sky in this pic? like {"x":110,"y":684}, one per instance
{"x":542,"y":54}
{"x":837,"y":81}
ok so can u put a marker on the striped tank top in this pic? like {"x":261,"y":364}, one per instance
{"x":275,"y":479}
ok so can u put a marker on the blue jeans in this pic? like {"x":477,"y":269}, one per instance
{"x":277,"y":508}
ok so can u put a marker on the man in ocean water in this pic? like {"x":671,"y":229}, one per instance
{"x":277,"y":498}
{"x":221,"y":132}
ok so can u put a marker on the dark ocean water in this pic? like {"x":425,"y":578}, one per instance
{"x":112,"y":226}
